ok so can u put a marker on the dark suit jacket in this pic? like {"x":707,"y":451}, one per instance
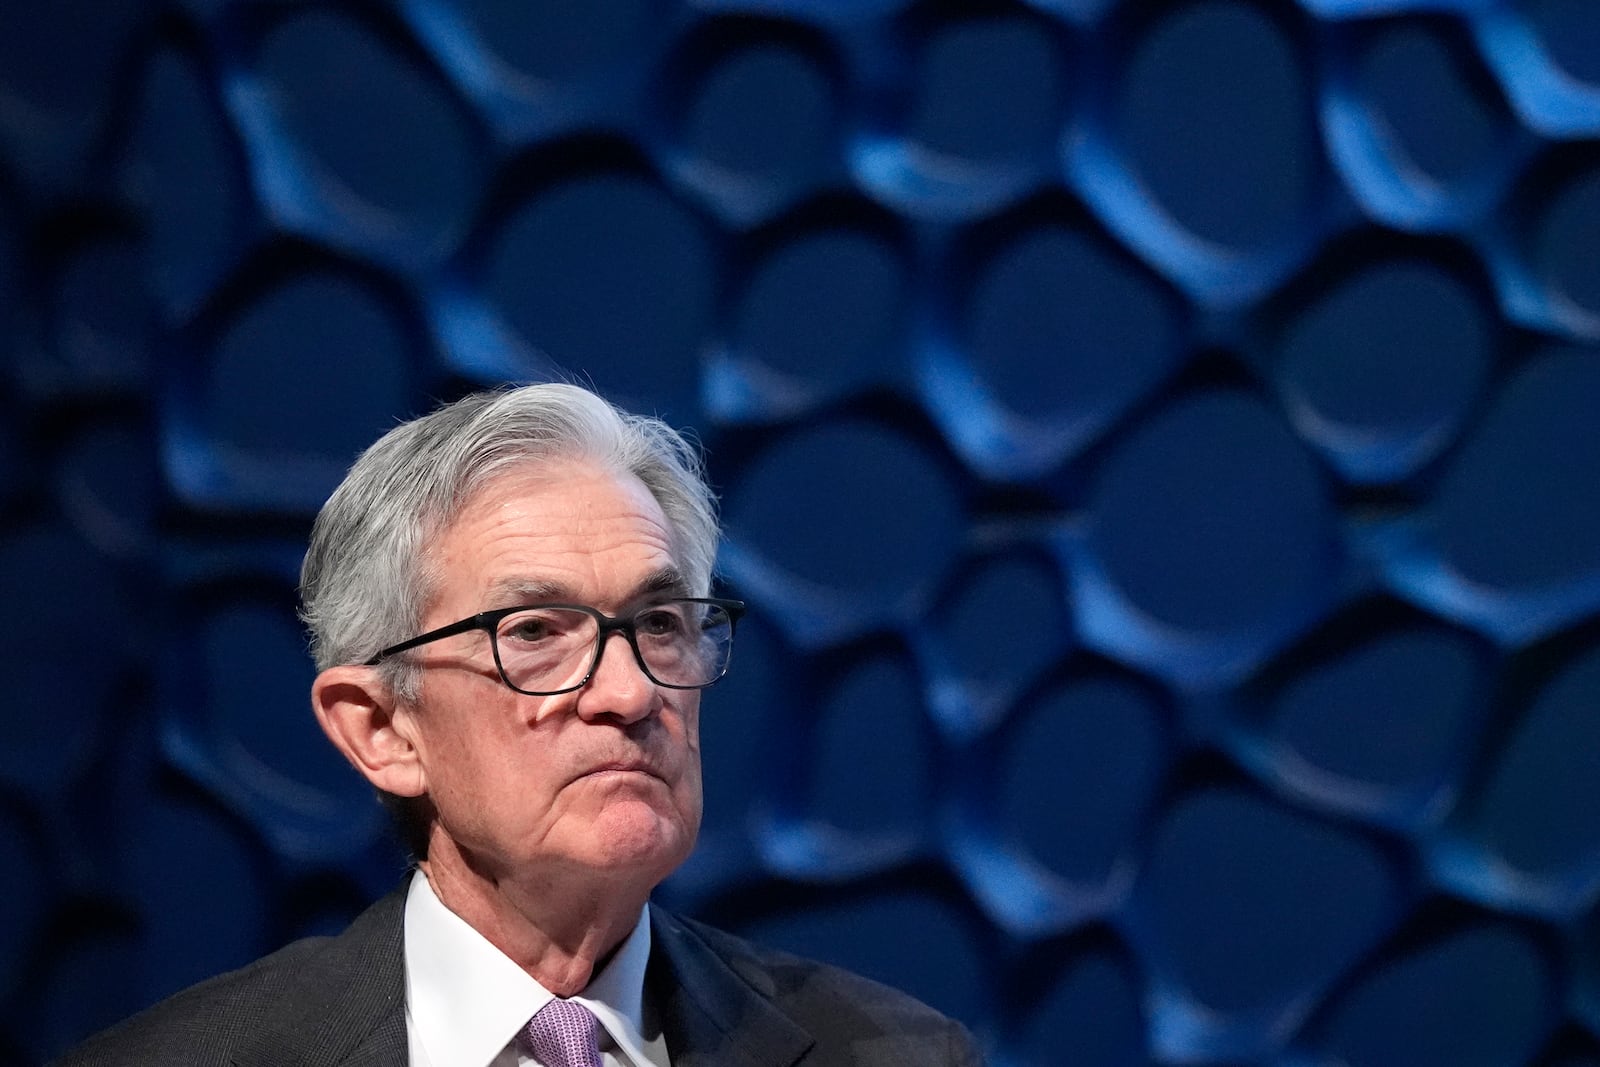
{"x":722,"y":1001}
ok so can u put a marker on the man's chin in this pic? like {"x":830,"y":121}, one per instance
{"x":635,"y":834}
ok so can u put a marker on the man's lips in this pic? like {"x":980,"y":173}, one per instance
{"x":621,"y":767}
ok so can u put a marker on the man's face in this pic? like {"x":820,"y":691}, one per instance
{"x":602,"y":779}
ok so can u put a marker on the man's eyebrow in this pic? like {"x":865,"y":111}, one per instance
{"x":665,"y":580}
{"x":510,"y":591}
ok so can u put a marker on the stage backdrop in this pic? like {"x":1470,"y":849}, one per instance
{"x":1159,"y":441}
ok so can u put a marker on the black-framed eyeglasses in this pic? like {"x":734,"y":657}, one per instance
{"x":546,"y":649}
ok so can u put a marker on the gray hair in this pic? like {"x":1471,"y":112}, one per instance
{"x":366,"y":580}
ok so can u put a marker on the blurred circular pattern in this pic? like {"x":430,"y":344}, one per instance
{"x":1090,"y":1016}
{"x":1472,"y":998}
{"x":101,"y":331}
{"x":1212,"y":103}
{"x":1515,"y":510}
{"x":109,"y":488}
{"x":1209,"y":522}
{"x":976,"y":121}
{"x":1066,"y":334}
{"x":268,"y":388}
{"x":1378,"y":724}
{"x":302,"y":376}
{"x":760,"y":124}
{"x":179,"y":168}
{"x":1419,"y":129}
{"x":535,"y":69}
{"x":1570,"y":30}
{"x":743,"y":723}
{"x":607,"y":274}
{"x":1083,"y":771}
{"x":1157,"y":443}
{"x":57,"y":68}
{"x":1382,"y":371}
{"x":1432,"y":104}
{"x":192,"y":927}
{"x":987,"y":91}
{"x":272,"y":739}
{"x":362,"y":139}
{"x":786,"y":507}
{"x":1251,"y":910}
{"x":1001,"y":626}
{"x":564,"y":40}
{"x":907,"y":938}
{"x":1566,"y":238}
{"x":1539,"y":812}
{"x":823,"y":312}
{"x":877,"y":789}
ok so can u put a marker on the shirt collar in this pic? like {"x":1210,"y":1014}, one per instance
{"x":466,"y":999}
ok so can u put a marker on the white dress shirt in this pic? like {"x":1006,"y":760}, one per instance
{"x":466,"y":1000}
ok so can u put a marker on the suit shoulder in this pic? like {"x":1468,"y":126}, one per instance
{"x":840,"y":1005}
{"x":198,"y":1025}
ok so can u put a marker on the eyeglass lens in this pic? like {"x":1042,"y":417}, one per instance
{"x":681,"y":644}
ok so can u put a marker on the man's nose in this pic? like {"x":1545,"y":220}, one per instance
{"x":619,"y":686}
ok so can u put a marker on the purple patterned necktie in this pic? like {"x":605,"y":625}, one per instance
{"x":564,"y":1033}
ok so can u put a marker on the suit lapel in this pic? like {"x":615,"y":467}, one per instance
{"x":713,"y":1012}
{"x":347,"y":1006}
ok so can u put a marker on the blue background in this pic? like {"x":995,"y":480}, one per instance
{"x":1159,"y":442}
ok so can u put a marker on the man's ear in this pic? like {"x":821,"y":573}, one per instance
{"x":364,"y":720}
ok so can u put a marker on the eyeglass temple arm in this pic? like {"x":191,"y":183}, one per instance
{"x":475,"y":622}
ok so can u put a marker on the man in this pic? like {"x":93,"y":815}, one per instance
{"x":509,"y":602}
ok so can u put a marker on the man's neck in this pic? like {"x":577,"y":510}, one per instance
{"x":560,"y":933}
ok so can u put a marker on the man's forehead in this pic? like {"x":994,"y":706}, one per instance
{"x":535,"y":473}
{"x":548,"y":488}
{"x":530,"y":589}
{"x":483,"y":544}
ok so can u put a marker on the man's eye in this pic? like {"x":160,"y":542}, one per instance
{"x":528,"y":629}
{"x":659,"y":622}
